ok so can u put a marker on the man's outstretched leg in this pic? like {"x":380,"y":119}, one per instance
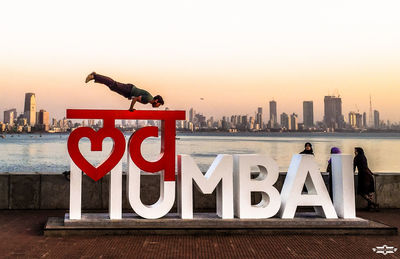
{"x":123,"y":89}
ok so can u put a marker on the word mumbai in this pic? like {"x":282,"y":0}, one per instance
{"x":229,"y":175}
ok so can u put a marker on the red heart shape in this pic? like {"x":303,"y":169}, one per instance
{"x":96,"y":139}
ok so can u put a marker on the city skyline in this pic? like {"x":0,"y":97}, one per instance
{"x":271,"y":104}
{"x":117,"y":102}
{"x":235,"y":55}
{"x":334,"y":119}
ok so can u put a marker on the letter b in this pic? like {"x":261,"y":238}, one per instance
{"x":244,"y":186}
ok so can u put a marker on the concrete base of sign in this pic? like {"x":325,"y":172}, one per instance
{"x":209,"y":223}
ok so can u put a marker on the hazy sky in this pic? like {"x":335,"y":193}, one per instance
{"x":237,"y":55}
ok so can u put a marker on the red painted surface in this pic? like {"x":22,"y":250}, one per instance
{"x":96,"y":139}
{"x":167,"y":161}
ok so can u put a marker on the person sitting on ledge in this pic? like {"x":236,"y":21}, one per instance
{"x":127,"y":90}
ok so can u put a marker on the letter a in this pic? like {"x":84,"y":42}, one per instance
{"x":300,"y":168}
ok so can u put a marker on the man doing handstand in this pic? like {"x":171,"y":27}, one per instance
{"x":127,"y":90}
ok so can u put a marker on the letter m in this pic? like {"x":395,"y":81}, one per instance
{"x":219,"y":176}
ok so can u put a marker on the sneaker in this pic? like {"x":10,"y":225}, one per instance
{"x":90,"y":77}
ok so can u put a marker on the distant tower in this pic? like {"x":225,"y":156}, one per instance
{"x":352,"y":119}
{"x":43,"y":120}
{"x":10,"y":116}
{"x":259,"y":117}
{"x":333,"y":117}
{"x":376,"y":119}
{"x":308,"y":114}
{"x":364,"y":117}
{"x":293,"y":121}
{"x":30,"y":108}
{"x":191,"y":115}
{"x":370,"y":122}
{"x":285,"y":122}
{"x":272,"y":114}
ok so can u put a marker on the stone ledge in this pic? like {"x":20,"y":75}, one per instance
{"x":209,"y":223}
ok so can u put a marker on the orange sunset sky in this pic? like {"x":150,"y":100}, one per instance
{"x":237,"y":55}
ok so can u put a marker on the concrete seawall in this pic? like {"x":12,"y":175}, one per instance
{"x":51,"y":191}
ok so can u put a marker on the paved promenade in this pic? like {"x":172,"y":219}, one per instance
{"x":21,"y":237}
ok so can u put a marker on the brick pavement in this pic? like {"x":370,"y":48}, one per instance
{"x":21,"y":237}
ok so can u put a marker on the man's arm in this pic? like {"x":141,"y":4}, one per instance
{"x":134,"y":100}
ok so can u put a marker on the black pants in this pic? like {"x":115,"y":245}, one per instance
{"x":123,"y":89}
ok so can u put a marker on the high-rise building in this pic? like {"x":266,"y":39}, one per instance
{"x":200,"y":120}
{"x":233,"y":120}
{"x":272,"y":114}
{"x":333,"y":117}
{"x":359,"y":120}
{"x":30,"y":108}
{"x":14,"y":111}
{"x":43,"y":120}
{"x":293,"y":121}
{"x":285,"y":122}
{"x":308,"y":114}
{"x":191,"y":115}
{"x":252,"y":123}
{"x":355,"y":120}
{"x":352,"y":119}
{"x":245,"y":122}
{"x":376,"y":119}
{"x":259,"y":117}
{"x":10,"y":116}
{"x":364,"y":117}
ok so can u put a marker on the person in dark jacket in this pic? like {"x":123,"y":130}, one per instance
{"x":307,"y":149}
{"x":366,"y":185}
{"x":334,"y":150}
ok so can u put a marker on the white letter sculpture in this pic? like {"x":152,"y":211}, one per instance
{"x":343,"y":186}
{"x":244,"y":186}
{"x":300,"y":168}
{"x":156,"y":210}
{"x":115,"y":194}
{"x":218,"y":176}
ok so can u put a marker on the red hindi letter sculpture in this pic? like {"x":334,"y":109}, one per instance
{"x":96,"y":139}
{"x":166,"y":163}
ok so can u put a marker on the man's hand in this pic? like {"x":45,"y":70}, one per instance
{"x":131,"y":109}
{"x":133,"y":103}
